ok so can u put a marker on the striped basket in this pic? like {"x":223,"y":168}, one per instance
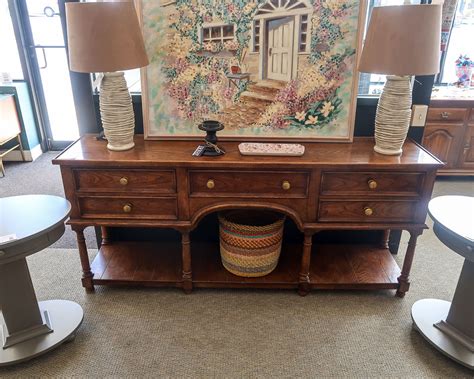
{"x":250,"y":242}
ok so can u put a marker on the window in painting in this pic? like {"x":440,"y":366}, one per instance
{"x":303,"y":33}
{"x":256,"y":36}
{"x":281,"y":6}
{"x":219,"y":33}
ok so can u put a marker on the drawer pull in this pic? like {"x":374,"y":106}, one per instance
{"x":210,"y":184}
{"x":127,"y":208}
{"x":372,"y":184}
{"x":285,"y":185}
{"x":368,"y":211}
{"x":123,"y":181}
{"x":444,"y":115}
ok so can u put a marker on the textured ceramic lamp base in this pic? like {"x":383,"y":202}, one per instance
{"x":393,"y":116}
{"x":116,"y":111}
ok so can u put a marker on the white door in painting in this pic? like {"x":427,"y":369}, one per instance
{"x":280,"y":48}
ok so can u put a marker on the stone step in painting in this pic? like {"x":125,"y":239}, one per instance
{"x":267,"y":69}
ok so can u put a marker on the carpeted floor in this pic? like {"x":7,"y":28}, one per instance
{"x":237,"y":333}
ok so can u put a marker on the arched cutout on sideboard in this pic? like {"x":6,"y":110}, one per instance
{"x":201,"y":213}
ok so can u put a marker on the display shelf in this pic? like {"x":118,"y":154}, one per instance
{"x":353,"y":267}
{"x":139,"y":263}
{"x":159,"y":264}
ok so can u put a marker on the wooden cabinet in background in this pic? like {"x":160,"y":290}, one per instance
{"x":467,"y":159}
{"x":449,"y":135}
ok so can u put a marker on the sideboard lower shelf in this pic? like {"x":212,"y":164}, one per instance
{"x":158,"y":265}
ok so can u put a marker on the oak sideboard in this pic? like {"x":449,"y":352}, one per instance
{"x":334,"y":186}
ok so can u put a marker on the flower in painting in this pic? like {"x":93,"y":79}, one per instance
{"x":327,"y":108}
{"x":231,"y":8}
{"x":231,"y":45}
{"x":228,"y":93}
{"x":300,"y":116}
{"x":312,"y":120}
{"x":249,"y":7}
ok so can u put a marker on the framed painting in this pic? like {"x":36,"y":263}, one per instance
{"x":267,"y":69}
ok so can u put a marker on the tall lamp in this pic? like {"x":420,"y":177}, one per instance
{"x":401,"y":41}
{"x":106,"y":38}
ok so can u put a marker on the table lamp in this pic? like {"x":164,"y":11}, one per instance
{"x":106,"y":38}
{"x":401,"y":41}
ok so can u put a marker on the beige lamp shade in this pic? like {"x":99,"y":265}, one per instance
{"x":403,"y":40}
{"x":104,"y":37}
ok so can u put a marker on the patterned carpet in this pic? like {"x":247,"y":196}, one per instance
{"x":153,"y":333}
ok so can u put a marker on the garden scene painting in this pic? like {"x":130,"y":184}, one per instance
{"x":266,"y":69}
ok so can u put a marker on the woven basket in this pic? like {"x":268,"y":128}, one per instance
{"x":250,"y":242}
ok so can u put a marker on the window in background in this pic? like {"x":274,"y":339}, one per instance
{"x":460,"y":41}
{"x":372,"y":84}
{"x":132,"y":77}
{"x":10,"y":61}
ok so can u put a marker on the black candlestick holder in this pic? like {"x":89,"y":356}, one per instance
{"x":211,"y":128}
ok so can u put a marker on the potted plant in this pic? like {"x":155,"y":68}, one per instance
{"x":464,"y":67}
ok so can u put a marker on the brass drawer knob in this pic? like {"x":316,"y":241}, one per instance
{"x":285,"y":185}
{"x":368,"y":211}
{"x":444,"y":115}
{"x":123,"y":181}
{"x":127,"y":208}
{"x":210,"y":184}
{"x":372,"y":184}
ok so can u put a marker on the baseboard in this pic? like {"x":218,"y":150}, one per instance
{"x":30,"y":155}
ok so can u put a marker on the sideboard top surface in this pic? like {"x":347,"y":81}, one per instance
{"x":88,"y":150}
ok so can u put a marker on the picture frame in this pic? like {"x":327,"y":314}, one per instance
{"x":269,"y":70}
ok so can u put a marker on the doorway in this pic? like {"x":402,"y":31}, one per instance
{"x":280,"y":48}
{"x":51,"y":84}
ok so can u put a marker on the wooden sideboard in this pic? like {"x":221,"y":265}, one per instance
{"x":449,"y":135}
{"x":334,"y":186}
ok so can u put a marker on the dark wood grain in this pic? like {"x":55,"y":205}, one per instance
{"x":248,"y":183}
{"x":353,"y":267}
{"x":448,"y":135}
{"x":141,"y":207}
{"x":89,"y":152}
{"x":446,"y":114}
{"x":166,"y":187}
{"x":357,"y":183}
{"x":346,"y":211}
{"x":137,"y":263}
{"x":161,"y":182}
{"x":444,"y":141}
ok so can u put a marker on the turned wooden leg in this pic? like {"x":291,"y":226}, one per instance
{"x":404,"y":278}
{"x":104,"y":231}
{"x":186,"y":256}
{"x":383,"y":243}
{"x":87,"y":274}
{"x":304,"y":282}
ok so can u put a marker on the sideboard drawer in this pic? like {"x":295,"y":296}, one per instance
{"x":395,"y":184}
{"x":446,"y":114}
{"x":367,"y":211}
{"x":111,"y":180}
{"x":248,"y":183}
{"x":129,"y":207}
